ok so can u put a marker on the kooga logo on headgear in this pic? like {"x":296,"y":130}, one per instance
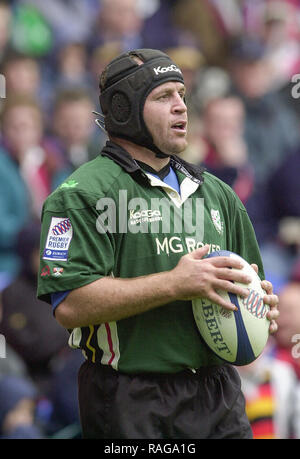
{"x":170,"y":68}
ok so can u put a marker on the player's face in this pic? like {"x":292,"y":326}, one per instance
{"x":165,"y":115}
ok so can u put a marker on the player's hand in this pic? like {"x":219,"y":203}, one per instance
{"x":198,"y":277}
{"x":271,"y":300}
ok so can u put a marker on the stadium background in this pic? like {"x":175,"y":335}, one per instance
{"x":241,"y":63}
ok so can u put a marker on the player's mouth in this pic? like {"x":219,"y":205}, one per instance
{"x":180,"y":126}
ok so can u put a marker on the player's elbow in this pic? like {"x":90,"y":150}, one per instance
{"x":65,"y":316}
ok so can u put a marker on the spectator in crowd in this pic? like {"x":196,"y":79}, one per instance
{"x":11,"y":364}
{"x":13,"y":209}
{"x":73,"y":129}
{"x":295,"y":273}
{"x":277,"y":219}
{"x":225,"y":152}
{"x":272,"y":393}
{"x":23,"y":315}
{"x":38,"y":356}
{"x":18,"y":401}
{"x":288,"y":336}
{"x":5,"y":26}
{"x":282,"y":192}
{"x":249,"y":139}
{"x":118,"y":21}
{"x":280,"y":35}
{"x":30,"y":32}
{"x":70,"y":20}
{"x":35,"y":160}
{"x":23,"y":75}
{"x":72,"y":71}
{"x":271,"y":384}
{"x":271,"y":128}
{"x":204,"y":21}
{"x":65,"y":421}
{"x":160,"y":30}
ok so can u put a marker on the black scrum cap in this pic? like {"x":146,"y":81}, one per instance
{"x":124,"y":87}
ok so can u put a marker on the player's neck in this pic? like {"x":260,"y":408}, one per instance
{"x":143,"y":154}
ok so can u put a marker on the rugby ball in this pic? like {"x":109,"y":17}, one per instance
{"x":237,"y":337}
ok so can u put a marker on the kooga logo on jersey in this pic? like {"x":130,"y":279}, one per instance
{"x":170,"y":68}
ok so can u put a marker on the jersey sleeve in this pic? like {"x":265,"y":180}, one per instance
{"x":73,"y":252}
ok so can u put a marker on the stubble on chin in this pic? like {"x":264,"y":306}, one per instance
{"x":172,"y":148}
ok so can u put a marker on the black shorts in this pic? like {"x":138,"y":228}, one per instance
{"x":208,"y":404}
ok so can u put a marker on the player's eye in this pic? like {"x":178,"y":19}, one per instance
{"x":163,"y":96}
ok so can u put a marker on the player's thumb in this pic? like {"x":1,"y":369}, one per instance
{"x":200,"y":253}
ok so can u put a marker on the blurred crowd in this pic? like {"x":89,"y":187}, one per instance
{"x":241,"y":64}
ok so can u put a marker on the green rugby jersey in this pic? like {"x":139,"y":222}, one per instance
{"x":111,"y":218}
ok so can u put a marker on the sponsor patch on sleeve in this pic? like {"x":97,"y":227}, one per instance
{"x":58,"y":240}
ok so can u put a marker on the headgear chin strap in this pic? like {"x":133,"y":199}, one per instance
{"x":124,"y":87}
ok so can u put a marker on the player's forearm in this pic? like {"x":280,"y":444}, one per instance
{"x":109,"y":299}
